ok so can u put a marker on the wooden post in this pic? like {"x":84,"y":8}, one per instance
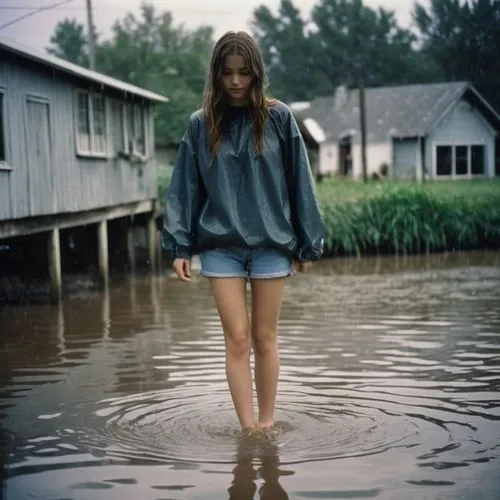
{"x":419,"y":174}
{"x":152,"y":241}
{"x":55,"y":265}
{"x":91,"y":40}
{"x":102,"y":242}
{"x":362,"y":117}
{"x":130,"y":248}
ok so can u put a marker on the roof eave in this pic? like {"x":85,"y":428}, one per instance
{"x":450,"y":106}
{"x":485,"y":103}
{"x":84,"y":73}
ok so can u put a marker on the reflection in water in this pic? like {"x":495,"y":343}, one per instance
{"x":390,"y":366}
{"x":247,"y":473}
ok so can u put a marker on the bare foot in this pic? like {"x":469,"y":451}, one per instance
{"x":250,"y":430}
{"x":265,"y":426}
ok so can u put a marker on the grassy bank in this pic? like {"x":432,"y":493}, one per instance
{"x":404,"y":218}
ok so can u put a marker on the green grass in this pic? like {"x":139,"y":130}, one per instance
{"x":393,"y":217}
{"x":163,"y":181}
{"x":406,"y":217}
{"x":350,"y":190}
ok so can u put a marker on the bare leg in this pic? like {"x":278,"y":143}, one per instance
{"x":230,"y":298}
{"x":267,"y":295}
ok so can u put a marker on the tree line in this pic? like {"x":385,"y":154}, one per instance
{"x":339,"y":42}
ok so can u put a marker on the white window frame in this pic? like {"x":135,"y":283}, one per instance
{"x":92,"y":152}
{"x":116,"y":122}
{"x":4,"y":163}
{"x":453,"y":146}
{"x":132,"y":150}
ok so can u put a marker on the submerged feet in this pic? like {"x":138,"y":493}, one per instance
{"x":249,"y":431}
{"x":258,"y":429}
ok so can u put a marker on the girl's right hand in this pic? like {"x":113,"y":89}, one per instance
{"x":182,"y":268}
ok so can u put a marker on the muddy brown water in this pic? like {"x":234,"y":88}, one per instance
{"x":389,"y":389}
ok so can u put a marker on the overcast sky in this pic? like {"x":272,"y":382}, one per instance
{"x":223,"y":15}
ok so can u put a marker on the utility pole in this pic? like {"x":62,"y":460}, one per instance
{"x":362,"y":118}
{"x":90,"y":23}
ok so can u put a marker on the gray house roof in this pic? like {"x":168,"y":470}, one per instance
{"x":404,"y":111}
{"x":27,"y":53}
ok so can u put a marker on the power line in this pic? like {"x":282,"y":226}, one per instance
{"x":111,"y":5}
{"x":17,"y":7}
{"x":163,"y":3}
{"x":41,"y":9}
{"x":174,"y":8}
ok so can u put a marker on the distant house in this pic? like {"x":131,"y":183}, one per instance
{"x":76,"y":148}
{"x":436,"y":131}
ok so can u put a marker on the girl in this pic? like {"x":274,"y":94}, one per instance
{"x":242,"y":196}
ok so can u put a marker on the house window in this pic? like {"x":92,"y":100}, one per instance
{"x":460,"y":160}
{"x":477,"y":160}
{"x":99,"y":124}
{"x":497,"y":156}
{"x":3,"y":157}
{"x":91,"y":133}
{"x":118,"y":120}
{"x":444,"y":160}
{"x":137,"y":130}
{"x":129,"y":133}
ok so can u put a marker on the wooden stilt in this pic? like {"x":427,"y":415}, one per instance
{"x":102,"y":242}
{"x":55,"y":265}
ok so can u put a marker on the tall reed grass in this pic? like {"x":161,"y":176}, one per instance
{"x":410,"y":218}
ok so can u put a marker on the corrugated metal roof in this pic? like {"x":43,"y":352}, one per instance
{"x":73,"y":69}
{"x":402,"y":111}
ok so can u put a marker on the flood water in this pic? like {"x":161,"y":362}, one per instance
{"x":389,"y":389}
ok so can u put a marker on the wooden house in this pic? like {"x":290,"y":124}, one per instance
{"x":76,"y":148}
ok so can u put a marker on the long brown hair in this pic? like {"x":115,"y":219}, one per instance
{"x":215,"y":100}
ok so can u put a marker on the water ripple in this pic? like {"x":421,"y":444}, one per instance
{"x":197,"y":423}
{"x":401,"y":368}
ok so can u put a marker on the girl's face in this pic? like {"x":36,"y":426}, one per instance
{"x":236,"y":79}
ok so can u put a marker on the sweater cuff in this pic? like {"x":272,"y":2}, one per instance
{"x":309,"y":254}
{"x":182,"y":252}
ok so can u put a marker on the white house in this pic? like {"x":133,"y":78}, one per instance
{"x":438,"y":131}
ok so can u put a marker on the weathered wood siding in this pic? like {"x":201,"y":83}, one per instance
{"x":77,"y":183}
{"x":4,"y":193}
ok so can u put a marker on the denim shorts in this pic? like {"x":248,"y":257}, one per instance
{"x":236,"y":262}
